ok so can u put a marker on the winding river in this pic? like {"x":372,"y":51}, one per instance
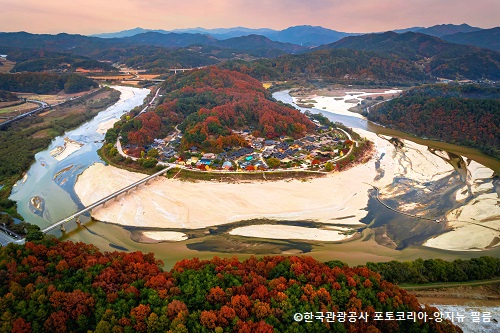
{"x":46,"y":193}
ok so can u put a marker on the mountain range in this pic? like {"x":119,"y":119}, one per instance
{"x":305,"y":35}
{"x":407,"y":55}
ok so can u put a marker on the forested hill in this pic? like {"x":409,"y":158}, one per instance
{"x":210,"y":104}
{"x":435,"y":57}
{"x":53,"y":286}
{"x":486,"y":38}
{"x":464,"y":115}
{"x":44,"y":83}
{"x":334,"y":64}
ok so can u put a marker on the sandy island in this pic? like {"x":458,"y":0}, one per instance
{"x":61,"y":152}
{"x":340,"y":198}
{"x":291,"y":232}
{"x":341,"y":100}
{"x":172,"y":236}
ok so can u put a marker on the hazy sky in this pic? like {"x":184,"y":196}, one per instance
{"x":95,"y":16}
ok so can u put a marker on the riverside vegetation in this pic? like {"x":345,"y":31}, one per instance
{"x":53,"y":286}
{"x":33,"y":134}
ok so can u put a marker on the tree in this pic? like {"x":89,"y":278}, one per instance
{"x":273,"y":162}
{"x":153,"y":153}
{"x":34,"y":233}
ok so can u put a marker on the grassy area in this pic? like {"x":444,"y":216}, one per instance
{"x":240,"y":176}
{"x":19,"y":108}
{"x":408,"y":286}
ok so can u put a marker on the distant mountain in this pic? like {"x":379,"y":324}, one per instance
{"x":413,"y":29}
{"x":305,"y":35}
{"x":256,"y":45}
{"x":127,"y":33}
{"x":226,"y":33}
{"x":435,"y":56}
{"x":447,"y":29}
{"x":486,"y":38}
{"x":170,"y":40}
{"x":409,"y":44}
{"x":254,"y":42}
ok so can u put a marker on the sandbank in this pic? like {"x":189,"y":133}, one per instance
{"x":290,"y":232}
{"x":339,"y":198}
{"x":341,"y":101}
{"x":61,"y":152}
{"x":105,"y":126}
{"x":173,"y":236}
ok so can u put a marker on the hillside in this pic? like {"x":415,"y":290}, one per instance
{"x":44,"y":83}
{"x":39,"y":61}
{"x":486,"y":38}
{"x":433,"y":55}
{"x":53,"y":286}
{"x":464,"y":115}
{"x":334,"y":64}
{"x":210,"y":104}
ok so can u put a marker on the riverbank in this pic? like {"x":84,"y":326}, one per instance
{"x":52,"y":175}
{"x":28,"y":136}
{"x":410,"y":179}
{"x":340,"y":198}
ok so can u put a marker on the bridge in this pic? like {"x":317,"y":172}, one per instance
{"x":103,"y":201}
{"x":175,"y":70}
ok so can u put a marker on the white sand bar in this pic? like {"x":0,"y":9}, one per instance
{"x":105,"y":126}
{"x":339,"y":198}
{"x":172,"y":236}
{"x":69,"y":148}
{"x":289,"y":232}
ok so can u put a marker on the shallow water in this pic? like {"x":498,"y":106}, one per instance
{"x":53,"y":181}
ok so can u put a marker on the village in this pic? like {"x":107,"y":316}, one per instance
{"x":319,"y":152}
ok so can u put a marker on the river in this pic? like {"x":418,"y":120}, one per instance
{"x":51,"y":182}
{"x":356,"y":122}
{"x":46,"y":193}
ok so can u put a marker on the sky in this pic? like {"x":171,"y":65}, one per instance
{"x":98,"y":16}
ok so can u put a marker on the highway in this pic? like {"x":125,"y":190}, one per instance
{"x":5,"y":239}
{"x":42,"y":106}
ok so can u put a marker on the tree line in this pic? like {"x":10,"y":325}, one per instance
{"x":465,"y":115}
{"x":437,"y":270}
{"x":53,"y":286}
{"x":45,"y":83}
{"x":20,"y":144}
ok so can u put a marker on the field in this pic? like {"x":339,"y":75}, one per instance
{"x":111,"y":77}
{"x":7,"y":65}
{"x":14,"y":110}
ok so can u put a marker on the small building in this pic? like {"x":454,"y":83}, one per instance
{"x":209,"y":156}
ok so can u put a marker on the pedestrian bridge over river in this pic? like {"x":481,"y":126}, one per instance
{"x":103,"y":201}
